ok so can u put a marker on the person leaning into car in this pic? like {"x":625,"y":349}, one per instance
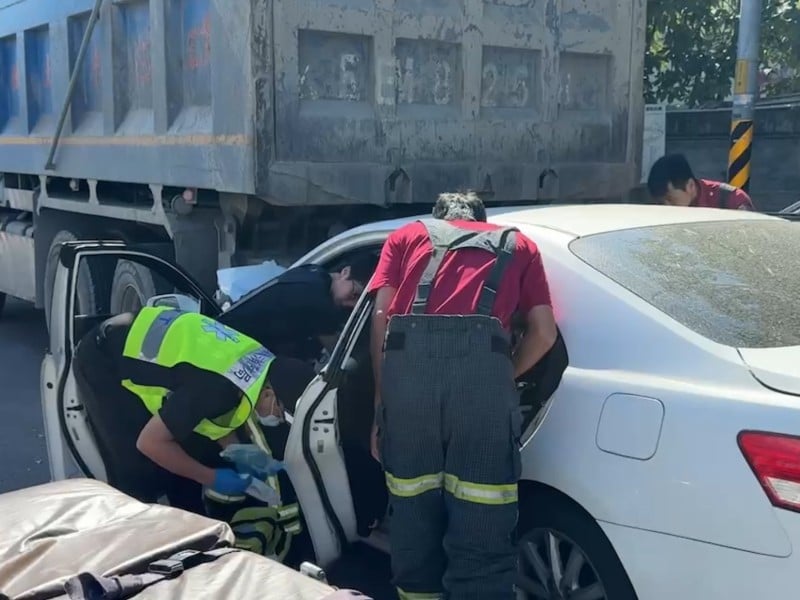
{"x":303,"y":308}
{"x":671,"y":181}
{"x":446,"y":290}
{"x":163,"y":389}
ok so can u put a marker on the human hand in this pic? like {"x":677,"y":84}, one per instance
{"x":252,"y":460}
{"x":229,"y":482}
{"x":374,"y":442}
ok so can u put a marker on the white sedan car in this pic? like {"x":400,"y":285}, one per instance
{"x":667,"y":463}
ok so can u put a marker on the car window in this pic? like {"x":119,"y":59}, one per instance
{"x":734,"y":282}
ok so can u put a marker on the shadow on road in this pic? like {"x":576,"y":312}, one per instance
{"x":23,"y":339}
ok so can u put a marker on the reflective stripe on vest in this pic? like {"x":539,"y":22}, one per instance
{"x":166,"y":337}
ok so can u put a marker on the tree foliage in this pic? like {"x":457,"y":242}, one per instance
{"x":691,"y":49}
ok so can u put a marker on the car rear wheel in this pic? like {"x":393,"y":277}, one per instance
{"x":564,"y":555}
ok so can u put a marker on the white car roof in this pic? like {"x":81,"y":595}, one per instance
{"x":580,"y":220}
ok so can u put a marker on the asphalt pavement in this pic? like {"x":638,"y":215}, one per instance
{"x":23,"y":341}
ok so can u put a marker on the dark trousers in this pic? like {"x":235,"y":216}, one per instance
{"x":116,"y":417}
{"x":450,"y":447}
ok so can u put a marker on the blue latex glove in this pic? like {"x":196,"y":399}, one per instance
{"x":260,"y":472}
{"x":252,"y":460}
{"x":229,"y":482}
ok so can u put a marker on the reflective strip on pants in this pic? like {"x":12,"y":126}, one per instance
{"x":481,"y":493}
{"x":403,"y":595}
{"x":406,"y":488}
{"x":222,"y":498}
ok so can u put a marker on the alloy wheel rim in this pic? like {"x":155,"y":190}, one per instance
{"x":553,"y":567}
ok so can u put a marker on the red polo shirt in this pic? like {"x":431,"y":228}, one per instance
{"x":457,"y":286}
{"x":709,"y":196}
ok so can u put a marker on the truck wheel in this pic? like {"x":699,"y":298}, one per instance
{"x":132,"y":287}
{"x":87,"y":304}
{"x":563,"y":553}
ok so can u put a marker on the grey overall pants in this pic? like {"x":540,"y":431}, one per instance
{"x":450,"y":438}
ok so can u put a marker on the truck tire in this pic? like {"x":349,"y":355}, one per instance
{"x":87,"y":303}
{"x":132,"y":286}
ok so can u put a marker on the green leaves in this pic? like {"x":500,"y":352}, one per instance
{"x":691,"y":49}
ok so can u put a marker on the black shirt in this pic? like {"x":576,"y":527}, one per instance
{"x":289,"y":313}
{"x":195,"y":394}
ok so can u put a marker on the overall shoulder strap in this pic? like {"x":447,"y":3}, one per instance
{"x":501,"y":243}
{"x":725,"y":191}
{"x":444,"y":237}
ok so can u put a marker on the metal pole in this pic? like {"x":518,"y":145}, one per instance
{"x":745,"y":92}
{"x":87,"y":35}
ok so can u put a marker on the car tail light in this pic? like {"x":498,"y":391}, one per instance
{"x":775,"y":460}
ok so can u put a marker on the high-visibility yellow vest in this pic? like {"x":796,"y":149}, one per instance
{"x":167,"y":337}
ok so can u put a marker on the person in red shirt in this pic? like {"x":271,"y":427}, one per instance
{"x":447,"y":410}
{"x":671,"y":181}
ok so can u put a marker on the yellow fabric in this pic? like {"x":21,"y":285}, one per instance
{"x":166,"y":337}
{"x":403,"y":595}
{"x":479,"y":493}
{"x":406,"y":488}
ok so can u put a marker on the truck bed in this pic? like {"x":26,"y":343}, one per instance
{"x":319,"y":102}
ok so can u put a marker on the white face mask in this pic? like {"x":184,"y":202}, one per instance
{"x":270,"y":420}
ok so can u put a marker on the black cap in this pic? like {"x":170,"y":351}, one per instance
{"x":288,"y":378}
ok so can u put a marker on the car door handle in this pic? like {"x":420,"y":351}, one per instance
{"x":324,"y":421}
{"x":78,"y":408}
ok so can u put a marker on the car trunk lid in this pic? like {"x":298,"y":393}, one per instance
{"x":775,"y":368}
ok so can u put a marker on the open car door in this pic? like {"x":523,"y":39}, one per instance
{"x":71,"y":447}
{"x":314,"y":457}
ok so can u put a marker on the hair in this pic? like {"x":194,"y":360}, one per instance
{"x":361,"y":267}
{"x":288,"y":378}
{"x":670,"y":169}
{"x":459,"y":206}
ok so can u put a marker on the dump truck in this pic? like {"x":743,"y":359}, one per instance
{"x":227,"y":132}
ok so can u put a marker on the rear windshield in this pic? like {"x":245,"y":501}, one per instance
{"x":734,"y":282}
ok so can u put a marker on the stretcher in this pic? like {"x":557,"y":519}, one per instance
{"x":54,"y":532}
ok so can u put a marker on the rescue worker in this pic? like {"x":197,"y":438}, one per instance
{"x":447,"y":410}
{"x":672,"y":181}
{"x":275,"y":531}
{"x":303,"y":309}
{"x":163,"y":389}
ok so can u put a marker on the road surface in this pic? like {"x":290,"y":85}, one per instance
{"x":23,"y":340}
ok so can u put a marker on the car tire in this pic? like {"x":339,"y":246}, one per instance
{"x":555,"y":527}
{"x":131,"y":288}
{"x":87,"y":304}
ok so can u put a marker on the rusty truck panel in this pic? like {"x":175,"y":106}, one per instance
{"x":311,"y":102}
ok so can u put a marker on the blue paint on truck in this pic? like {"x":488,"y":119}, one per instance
{"x":88,"y":98}
{"x":9,"y":81}
{"x":331,"y":103}
{"x":38,"y":75}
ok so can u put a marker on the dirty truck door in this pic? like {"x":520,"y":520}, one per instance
{"x":71,"y":446}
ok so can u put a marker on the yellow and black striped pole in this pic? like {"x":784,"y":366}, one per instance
{"x":745,"y":90}
{"x":740,"y":153}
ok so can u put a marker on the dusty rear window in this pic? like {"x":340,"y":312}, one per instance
{"x":734,"y":282}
